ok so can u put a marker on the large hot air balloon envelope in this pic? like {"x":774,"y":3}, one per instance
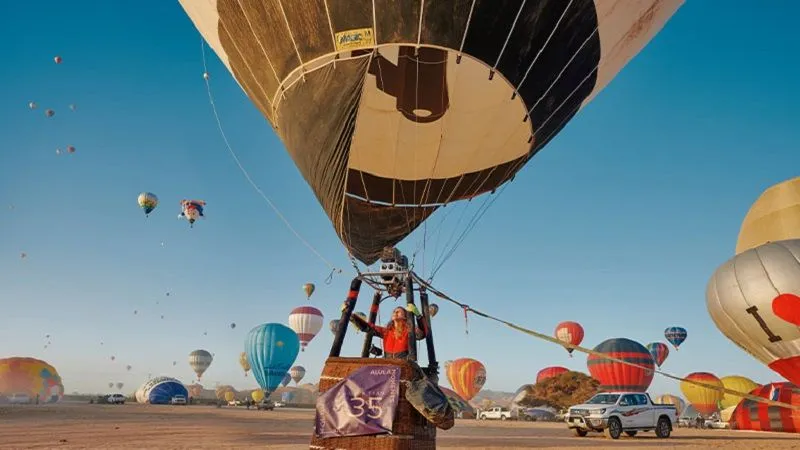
{"x":550,"y":372}
{"x":160,"y":390}
{"x":735,"y":383}
{"x":306,"y":321}
{"x":393,"y":109}
{"x":297,"y":373}
{"x":676,"y":336}
{"x":704,"y":400}
{"x":659,"y":351}
{"x":775,"y":216}
{"x":200,"y":360}
{"x":569,"y":333}
{"x":615,"y":376}
{"x":754,"y":299}
{"x":271,"y":350}
{"x":758,"y":416}
{"x":30,"y":376}
{"x":466,"y":376}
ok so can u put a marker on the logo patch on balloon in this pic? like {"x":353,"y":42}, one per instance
{"x":787,"y":307}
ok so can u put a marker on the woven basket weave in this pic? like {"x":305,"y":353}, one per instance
{"x":410,"y":430}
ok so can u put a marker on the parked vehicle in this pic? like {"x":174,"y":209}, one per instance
{"x":116,"y":399}
{"x":615,"y":413}
{"x":265,"y":405}
{"x":178,"y":400}
{"x":496,"y":413}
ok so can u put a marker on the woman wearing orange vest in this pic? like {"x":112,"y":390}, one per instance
{"x":395,"y":333}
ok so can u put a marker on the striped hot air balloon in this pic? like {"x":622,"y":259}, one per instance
{"x":675,"y":336}
{"x":615,"y":376}
{"x":569,"y":333}
{"x":466,"y":376}
{"x":200,"y":360}
{"x":306,"y":321}
{"x":550,"y":372}
{"x":705,"y":400}
{"x":758,"y":416}
{"x":659,"y":351}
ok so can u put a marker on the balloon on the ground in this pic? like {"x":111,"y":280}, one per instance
{"x":550,"y":372}
{"x":705,"y":400}
{"x":736,"y":383}
{"x":257,"y":395}
{"x":466,"y":376}
{"x":306,"y":321}
{"x":229,"y":396}
{"x":30,"y":376}
{"x":758,"y":416}
{"x":659,"y":351}
{"x":200,"y":360}
{"x":569,"y":333}
{"x":774,"y":216}
{"x":271,"y":350}
{"x":676,"y":336}
{"x":465,"y":92}
{"x":160,"y":391}
{"x":754,"y":300}
{"x":615,"y":376}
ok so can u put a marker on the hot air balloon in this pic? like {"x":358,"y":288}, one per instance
{"x":758,"y":416}
{"x":128,"y":367}
{"x":195,"y":390}
{"x":160,"y":391}
{"x":433,"y":309}
{"x":243,"y":362}
{"x":49,"y":113}
{"x":229,"y":396}
{"x":659,"y":351}
{"x":297,"y":373}
{"x":148,"y":202}
{"x":192,"y":210}
{"x":754,"y":300}
{"x":31,"y":376}
{"x":286,"y":380}
{"x":57,"y":59}
{"x":704,"y":400}
{"x":257,"y":395}
{"x":111,"y":384}
{"x":70,"y":149}
{"x":306,"y":321}
{"x":668,"y":399}
{"x":614,"y":376}
{"x":550,"y":372}
{"x":120,"y":385}
{"x":271,"y":350}
{"x":735,"y":383}
{"x":775,"y":216}
{"x":426,"y":103}
{"x":32,"y":105}
{"x":675,"y":336}
{"x":308,"y":288}
{"x":569,"y":333}
{"x":333,"y":325}
{"x":233,"y":325}
{"x":466,"y":376}
{"x":199,"y":360}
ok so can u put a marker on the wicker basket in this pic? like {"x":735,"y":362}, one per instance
{"x":410,"y":430}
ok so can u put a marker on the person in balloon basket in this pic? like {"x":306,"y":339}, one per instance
{"x":396,"y":333}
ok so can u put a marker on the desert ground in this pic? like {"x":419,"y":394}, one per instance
{"x":83,"y":425}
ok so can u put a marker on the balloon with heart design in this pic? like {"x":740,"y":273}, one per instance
{"x":754,"y":300}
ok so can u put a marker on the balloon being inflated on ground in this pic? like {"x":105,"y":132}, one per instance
{"x":30,"y":376}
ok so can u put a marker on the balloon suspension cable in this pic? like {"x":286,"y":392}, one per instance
{"x":605,"y":356}
{"x":275,"y":209}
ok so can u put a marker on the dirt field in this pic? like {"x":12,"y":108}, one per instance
{"x":77,"y":425}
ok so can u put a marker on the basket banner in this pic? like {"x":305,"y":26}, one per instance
{"x":364,"y":403}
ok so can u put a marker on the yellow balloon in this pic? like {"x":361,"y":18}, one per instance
{"x":244,"y":363}
{"x":229,"y":396}
{"x":735,"y":383}
{"x":704,"y":400}
{"x":775,"y":216}
{"x":309,"y":288}
{"x":257,"y":395}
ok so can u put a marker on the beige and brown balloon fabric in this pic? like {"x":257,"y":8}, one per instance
{"x":775,"y":216}
{"x":393,"y":108}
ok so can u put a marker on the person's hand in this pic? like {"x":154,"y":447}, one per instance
{"x":412,"y":308}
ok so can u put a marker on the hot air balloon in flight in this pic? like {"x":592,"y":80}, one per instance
{"x":754,"y":300}
{"x":200,"y":360}
{"x":120,"y":385}
{"x":111,"y":384}
{"x":271,"y":350}
{"x":569,"y":333}
{"x":774,"y":216}
{"x":705,"y":400}
{"x":736,"y":383}
{"x":433,"y":309}
{"x":466,"y":376}
{"x":550,"y":372}
{"x":308,"y":288}
{"x":148,"y":202}
{"x":675,"y":336}
{"x":297,"y":373}
{"x":615,"y":376}
{"x":659,"y":351}
{"x":333,"y":325}
{"x":192,"y":210}
{"x":243,"y":362}
{"x":306,"y":321}
{"x":286,"y":379}
{"x":425,"y":103}
{"x":57,"y":60}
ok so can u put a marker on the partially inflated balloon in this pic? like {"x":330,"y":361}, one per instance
{"x":271,"y":350}
{"x":229,"y":396}
{"x":735,"y":383}
{"x":466,"y":376}
{"x":704,"y":399}
{"x":31,"y":376}
{"x":392,"y":109}
{"x":257,"y":396}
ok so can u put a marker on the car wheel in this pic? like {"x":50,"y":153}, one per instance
{"x":503,"y":417}
{"x":631,"y":433}
{"x":579,"y":432}
{"x":614,"y":428}
{"x":663,"y":428}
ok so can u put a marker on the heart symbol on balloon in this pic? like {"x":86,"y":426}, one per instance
{"x":787,"y":307}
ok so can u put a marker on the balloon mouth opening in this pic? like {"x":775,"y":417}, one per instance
{"x":422,"y":113}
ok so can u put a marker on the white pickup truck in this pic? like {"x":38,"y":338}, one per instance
{"x":621,"y":412}
{"x":496,"y":413}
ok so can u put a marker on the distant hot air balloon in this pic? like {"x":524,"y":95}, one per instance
{"x":334,"y":325}
{"x":736,"y":383}
{"x":569,"y":333}
{"x":614,"y":376}
{"x":705,"y":400}
{"x":659,"y":351}
{"x":229,"y":396}
{"x":205,"y":75}
{"x":148,"y":202}
{"x":467,"y":377}
{"x":774,"y":216}
{"x":32,"y":105}
{"x":120,"y":385}
{"x":200,"y":360}
{"x":243,"y":362}
{"x":70,"y":149}
{"x":111,"y":384}
{"x":72,"y":107}
{"x":286,"y":380}
{"x":297,"y":373}
{"x":113,"y":358}
{"x":49,"y":113}
{"x":306,"y":321}
{"x":754,"y":300}
{"x":308,"y":288}
{"x":550,"y":372}
{"x":257,"y":395}
{"x":192,"y":210}
{"x":271,"y":350}
{"x":668,"y":399}
{"x":433,"y":309}
{"x":675,"y":336}
{"x":128,"y":367}
{"x":57,"y":60}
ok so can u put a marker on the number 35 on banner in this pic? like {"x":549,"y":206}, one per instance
{"x":370,"y":407}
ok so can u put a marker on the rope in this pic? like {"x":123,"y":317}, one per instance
{"x":588,"y":351}
{"x":247,"y":175}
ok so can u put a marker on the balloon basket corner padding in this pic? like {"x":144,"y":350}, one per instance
{"x":410,"y":430}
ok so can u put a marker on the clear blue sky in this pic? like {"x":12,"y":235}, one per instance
{"x":617,"y":224}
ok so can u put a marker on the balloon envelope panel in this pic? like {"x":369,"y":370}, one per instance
{"x":30,"y":376}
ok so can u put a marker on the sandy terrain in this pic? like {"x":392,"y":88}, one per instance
{"x":77,"y":425}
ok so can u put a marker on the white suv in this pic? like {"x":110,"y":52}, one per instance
{"x":116,"y":399}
